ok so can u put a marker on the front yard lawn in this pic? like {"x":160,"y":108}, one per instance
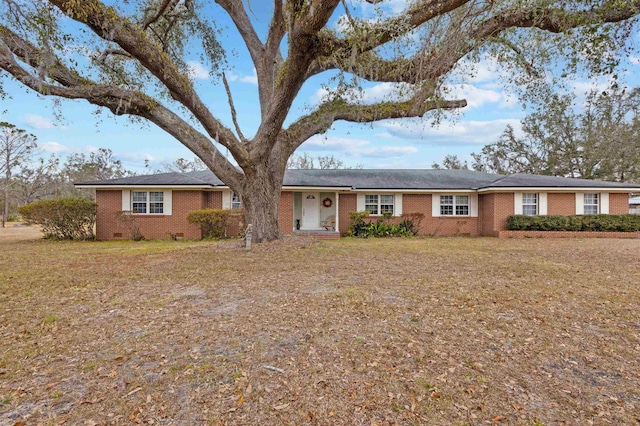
{"x":459,"y":331}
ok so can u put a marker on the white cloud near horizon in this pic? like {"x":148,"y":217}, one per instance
{"x":358,"y":148}
{"x":39,"y":122}
{"x":459,"y":132}
{"x":53,"y":147}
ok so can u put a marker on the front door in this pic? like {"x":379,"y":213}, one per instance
{"x":310,"y":210}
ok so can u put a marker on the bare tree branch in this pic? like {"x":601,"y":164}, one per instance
{"x":339,"y":52}
{"x":303,"y":37}
{"x":234,"y":116}
{"x":119,"y":101}
{"x":112,"y":27}
{"x":323,"y":118}
{"x":157,"y":13}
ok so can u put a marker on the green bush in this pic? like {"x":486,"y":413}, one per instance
{"x":361,"y":225}
{"x":212,"y":222}
{"x":62,"y":218}
{"x":589,"y":222}
{"x":13,"y":217}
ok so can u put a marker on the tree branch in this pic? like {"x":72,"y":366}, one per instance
{"x":339,"y":53}
{"x":303,"y":36}
{"x":234,"y":116}
{"x":323,"y":118}
{"x":113,"y":28}
{"x":119,"y":101}
{"x":157,"y":13}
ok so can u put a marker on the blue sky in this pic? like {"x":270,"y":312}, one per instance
{"x":74,"y":126}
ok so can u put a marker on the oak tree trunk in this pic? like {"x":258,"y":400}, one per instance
{"x":260,"y":199}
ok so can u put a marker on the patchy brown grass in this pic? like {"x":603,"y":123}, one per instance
{"x":444,"y":331}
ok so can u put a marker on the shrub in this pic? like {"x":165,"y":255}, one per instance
{"x":62,"y":218}
{"x":589,"y":222}
{"x":13,"y":217}
{"x":361,"y":225}
{"x":127,"y":220}
{"x":212,"y":222}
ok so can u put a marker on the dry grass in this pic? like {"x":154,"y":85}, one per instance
{"x":424,"y":331}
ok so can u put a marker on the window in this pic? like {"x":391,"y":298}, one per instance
{"x":454,"y":205}
{"x":529,"y":204}
{"x":235,"y":201}
{"x":591,"y":204}
{"x":143,"y":202}
{"x":378,"y":204}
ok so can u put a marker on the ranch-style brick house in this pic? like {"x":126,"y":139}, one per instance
{"x":453,"y":202}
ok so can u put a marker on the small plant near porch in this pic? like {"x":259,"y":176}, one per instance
{"x":362,"y":225}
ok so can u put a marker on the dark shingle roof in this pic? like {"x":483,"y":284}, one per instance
{"x":521,"y":180}
{"x":390,"y":179}
{"x":397,"y":179}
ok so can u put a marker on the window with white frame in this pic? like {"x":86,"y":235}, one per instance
{"x":236,"y":203}
{"x":529,"y":204}
{"x":378,"y":203}
{"x":454,"y":205}
{"x":147,"y":202}
{"x":591,"y":204}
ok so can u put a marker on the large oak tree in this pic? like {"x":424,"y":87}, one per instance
{"x":138,"y":65}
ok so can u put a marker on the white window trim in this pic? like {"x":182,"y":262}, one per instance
{"x":397,"y":202}
{"x":473,"y":204}
{"x":235,"y":204}
{"x":537,"y":204}
{"x":380,"y":195}
{"x":603,"y":201}
{"x":596,"y":204}
{"x":454,"y":205}
{"x":167,"y":201}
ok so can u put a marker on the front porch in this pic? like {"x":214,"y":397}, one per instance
{"x":315,"y":212}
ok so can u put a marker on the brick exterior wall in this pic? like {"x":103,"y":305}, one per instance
{"x":561,"y":203}
{"x":347,"y":203}
{"x":493,"y":210}
{"x":421,"y":203}
{"x":619,"y":203}
{"x":151,"y":226}
{"x":285,"y":212}
{"x":212,"y":199}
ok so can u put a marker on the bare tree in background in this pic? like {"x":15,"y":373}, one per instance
{"x":15,"y":147}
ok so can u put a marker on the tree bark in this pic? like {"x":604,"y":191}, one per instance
{"x":260,"y":196}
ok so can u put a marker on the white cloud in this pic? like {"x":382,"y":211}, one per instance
{"x":39,"y":122}
{"x":355,"y":147}
{"x":53,"y":147}
{"x":252,"y":79}
{"x":452,"y":133}
{"x":475,"y":96}
{"x":198,"y":71}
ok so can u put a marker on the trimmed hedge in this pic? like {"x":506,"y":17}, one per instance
{"x":63,"y":218}
{"x":588,"y":222}
{"x":212,"y":222}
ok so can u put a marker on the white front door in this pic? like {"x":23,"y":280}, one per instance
{"x":310,"y":210}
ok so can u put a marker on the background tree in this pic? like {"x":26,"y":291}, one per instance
{"x":81,"y":167}
{"x":597,"y":138}
{"x":322,"y":162}
{"x":141,"y":68}
{"x":182,"y":165}
{"x":451,"y":162}
{"x":15,"y":147}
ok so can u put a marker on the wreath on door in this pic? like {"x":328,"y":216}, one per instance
{"x":327,"y":202}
